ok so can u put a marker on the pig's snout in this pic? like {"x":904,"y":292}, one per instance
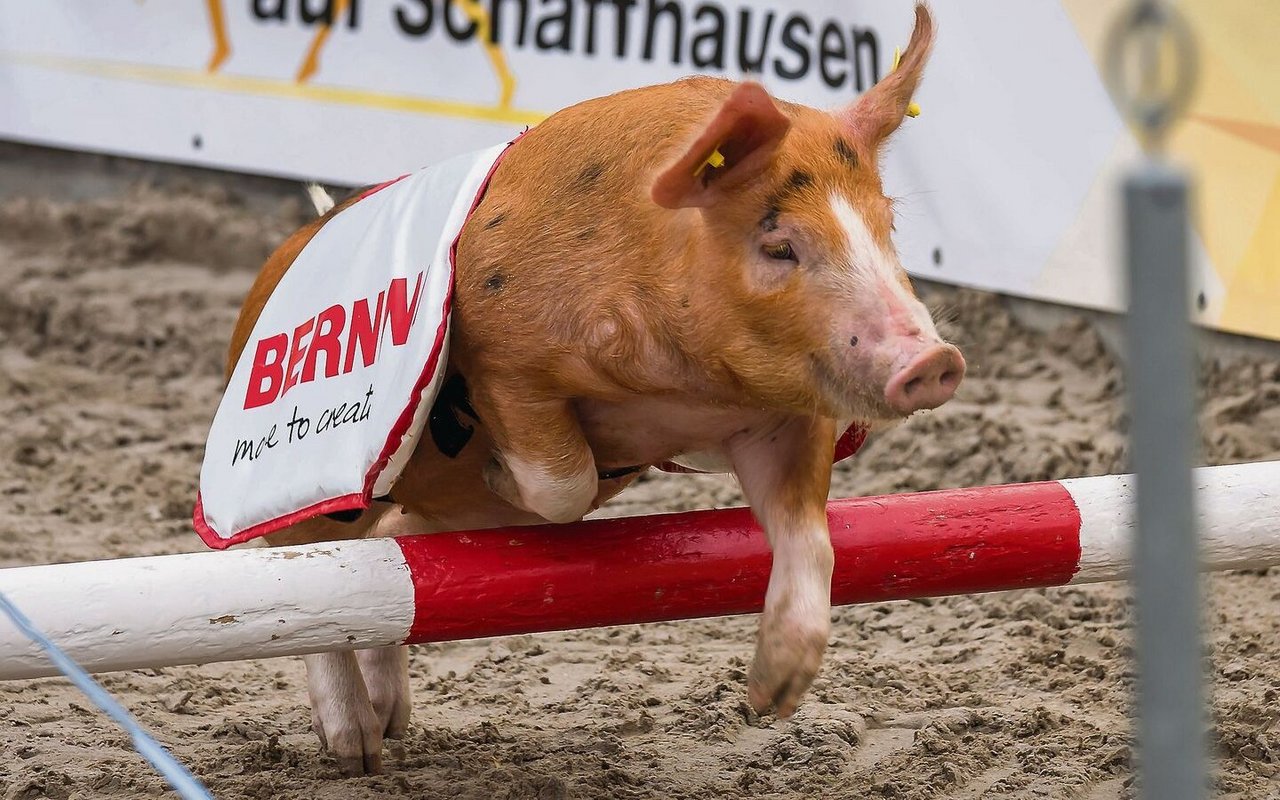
{"x":927,"y":381}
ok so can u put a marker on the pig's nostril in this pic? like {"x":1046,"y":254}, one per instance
{"x":927,"y":381}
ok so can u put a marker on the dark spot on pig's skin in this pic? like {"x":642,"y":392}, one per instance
{"x":586,"y":234}
{"x":797,"y":180}
{"x":589,"y":175}
{"x":495,"y":282}
{"x":853,"y":341}
{"x":496,"y":221}
{"x":846,"y":153}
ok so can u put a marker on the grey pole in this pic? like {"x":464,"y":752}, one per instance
{"x":1170,"y":735}
{"x":1171,"y":726}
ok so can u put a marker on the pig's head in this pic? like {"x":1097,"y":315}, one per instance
{"x":795,"y":265}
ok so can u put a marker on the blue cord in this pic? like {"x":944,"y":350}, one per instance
{"x":183,"y":782}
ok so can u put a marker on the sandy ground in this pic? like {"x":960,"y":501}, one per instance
{"x":114,"y":314}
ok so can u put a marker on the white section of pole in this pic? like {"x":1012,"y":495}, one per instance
{"x":1237,"y":508}
{"x":199,"y":607}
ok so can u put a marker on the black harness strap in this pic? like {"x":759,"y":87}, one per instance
{"x":620,"y":472}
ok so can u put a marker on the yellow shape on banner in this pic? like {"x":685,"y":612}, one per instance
{"x":1236,"y":155}
{"x":1267,"y":136}
{"x":1230,"y":139}
{"x":1251,"y":296}
{"x":311,"y":62}
{"x":221,"y":44}
{"x":272,"y":87}
{"x":1239,"y":36}
{"x":1232,"y":184}
{"x":476,"y":12}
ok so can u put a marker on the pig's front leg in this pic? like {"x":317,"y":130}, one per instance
{"x":785,"y":473}
{"x":543,"y":463}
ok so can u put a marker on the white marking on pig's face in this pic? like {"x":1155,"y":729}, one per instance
{"x":877,"y":276}
{"x":875,"y":325}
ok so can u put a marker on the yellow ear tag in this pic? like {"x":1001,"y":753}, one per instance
{"x":715,"y":161}
{"x":913,"y":109}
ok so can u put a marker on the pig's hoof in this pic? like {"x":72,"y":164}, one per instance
{"x":355,"y":743}
{"x":787,"y":660}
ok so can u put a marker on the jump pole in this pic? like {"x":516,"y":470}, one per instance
{"x":262,"y":602}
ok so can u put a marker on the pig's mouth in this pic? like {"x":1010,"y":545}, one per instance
{"x":918,"y":380}
{"x":846,"y":398}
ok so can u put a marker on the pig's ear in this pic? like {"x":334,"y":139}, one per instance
{"x":745,"y":133}
{"x":879,"y":112}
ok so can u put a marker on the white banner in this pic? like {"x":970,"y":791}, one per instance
{"x":1006,"y":181}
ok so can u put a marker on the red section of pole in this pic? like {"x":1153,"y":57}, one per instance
{"x":714,"y":563}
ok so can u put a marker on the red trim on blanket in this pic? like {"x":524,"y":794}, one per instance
{"x":347,"y":502}
{"x":372,"y":190}
{"x":363,"y":499}
{"x":424,"y":379}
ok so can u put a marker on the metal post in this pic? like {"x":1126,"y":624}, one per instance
{"x":1171,"y":741}
{"x":1170,"y":737}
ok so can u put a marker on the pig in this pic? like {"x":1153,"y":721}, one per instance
{"x":621,"y":299}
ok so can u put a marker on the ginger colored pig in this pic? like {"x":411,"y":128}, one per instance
{"x":620,"y":301}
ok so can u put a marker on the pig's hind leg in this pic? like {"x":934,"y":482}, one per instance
{"x":386,"y":669}
{"x":386,"y":677}
{"x":342,"y":714}
{"x":542,"y":462}
{"x":785,"y":472}
{"x":357,"y":698}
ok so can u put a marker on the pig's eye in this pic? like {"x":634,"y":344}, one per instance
{"x":781,"y":252}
